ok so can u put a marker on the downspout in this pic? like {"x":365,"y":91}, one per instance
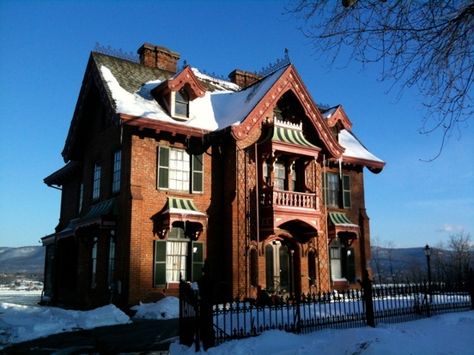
{"x":257,"y":194}
{"x":326,"y":214}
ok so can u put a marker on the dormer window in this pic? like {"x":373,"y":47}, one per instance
{"x":181,"y":103}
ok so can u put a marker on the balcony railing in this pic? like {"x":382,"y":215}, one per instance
{"x":272,"y":197}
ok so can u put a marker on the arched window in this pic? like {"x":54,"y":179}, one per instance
{"x":312,"y":268}
{"x":181,"y":103}
{"x":253,"y":261}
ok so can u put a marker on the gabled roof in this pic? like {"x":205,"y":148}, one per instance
{"x":356,"y":152}
{"x":126,"y":88}
{"x":336,"y":114}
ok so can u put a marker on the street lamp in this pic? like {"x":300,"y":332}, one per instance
{"x":428,"y":261}
{"x":428,"y":264}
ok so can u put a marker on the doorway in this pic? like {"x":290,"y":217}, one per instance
{"x":281,"y":272}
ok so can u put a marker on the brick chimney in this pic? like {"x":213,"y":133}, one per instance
{"x":243,"y":78}
{"x":158,"y":57}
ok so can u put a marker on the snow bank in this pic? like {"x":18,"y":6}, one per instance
{"x":21,"y":323}
{"x":165,"y":308}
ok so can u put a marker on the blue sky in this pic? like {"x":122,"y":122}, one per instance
{"x":45,"y":46}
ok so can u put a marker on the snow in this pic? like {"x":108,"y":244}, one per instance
{"x":232,"y":108}
{"x":443,"y":334}
{"x":20,"y":323}
{"x":219,"y":83}
{"x":354,"y":148}
{"x":215,"y":110}
{"x":167,"y":308}
{"x":142,"y":104}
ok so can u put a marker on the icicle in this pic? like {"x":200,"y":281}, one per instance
{"x":340,"y":168}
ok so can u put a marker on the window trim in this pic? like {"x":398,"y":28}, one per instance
{"x":195,"y":253}
{"x":186,"y":102}
{"x":343,"y":193}
{"x":164,"y":169}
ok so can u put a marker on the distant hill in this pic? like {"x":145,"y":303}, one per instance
{"x":22,"y":260}
{"x":401,"y":263}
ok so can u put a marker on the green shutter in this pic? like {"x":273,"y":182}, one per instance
{"x":163,"y":167}
{"x":346,"y":188}
{"x":197,"y":260}
{"x":160,"y":262}
{"x":198,"y":172}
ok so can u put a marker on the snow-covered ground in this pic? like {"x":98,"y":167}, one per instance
{"x":451,"y":333}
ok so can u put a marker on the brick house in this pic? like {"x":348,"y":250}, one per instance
{"x":168,"y":168}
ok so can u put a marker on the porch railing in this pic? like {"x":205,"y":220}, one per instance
{"x":273,"y":197}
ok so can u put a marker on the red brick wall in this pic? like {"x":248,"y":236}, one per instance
{"x":146,"y":201}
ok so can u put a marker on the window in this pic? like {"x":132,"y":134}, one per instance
{"x":253,"y":261}
{"x":94,"y":262}
{"x":342,"y":261}
{"x":277,"y":267}
{"x":312,"y":268}
{"x":335,"y":256}
{"x":178,"y":171}
{"x":96,"y":182}
{"x":332,"y":190}
{"x":337,"y":192}
{"x":111,"y":265}
{"x":81,"y":197}
{"x":181,"y":103}
{"x":178,"y":256}
{"x":116,"y":171}
{"x":280,"y":176}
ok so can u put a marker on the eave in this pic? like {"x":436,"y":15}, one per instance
{"x":159,"y":126}
{"x":60,"y":176}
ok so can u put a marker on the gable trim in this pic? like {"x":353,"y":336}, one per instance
{"x":263,"y":112}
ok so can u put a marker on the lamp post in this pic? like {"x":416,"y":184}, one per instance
{"x":428,"y":264}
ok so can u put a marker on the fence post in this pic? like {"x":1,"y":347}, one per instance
{"x":471,"y":286}
{"x":206,"y":321}
{"x":368,"y":300}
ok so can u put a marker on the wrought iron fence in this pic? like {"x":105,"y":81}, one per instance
{"x":369,"y":305}
{"x":346,"y":309}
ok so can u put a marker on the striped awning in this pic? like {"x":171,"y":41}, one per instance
{"x":340,"y":219}
{"x":183,"y":206}
{"x":339,"y":222}
{"x":100,"y":209}
{"x":290,"y":136}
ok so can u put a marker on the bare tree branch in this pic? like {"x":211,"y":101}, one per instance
{"x":428,"y":45}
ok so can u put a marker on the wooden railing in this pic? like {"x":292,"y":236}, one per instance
{"x":272,"y":197}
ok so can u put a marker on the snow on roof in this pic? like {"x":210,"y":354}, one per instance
{"x":142,"y":104}
{"x":329,"y":112}
{"x":220,"y":84}
{"x":354,"y":148}
{"x":231,"y":108}
{"x":217,"y":109}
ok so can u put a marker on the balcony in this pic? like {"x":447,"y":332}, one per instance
{"x":278,"y":198}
